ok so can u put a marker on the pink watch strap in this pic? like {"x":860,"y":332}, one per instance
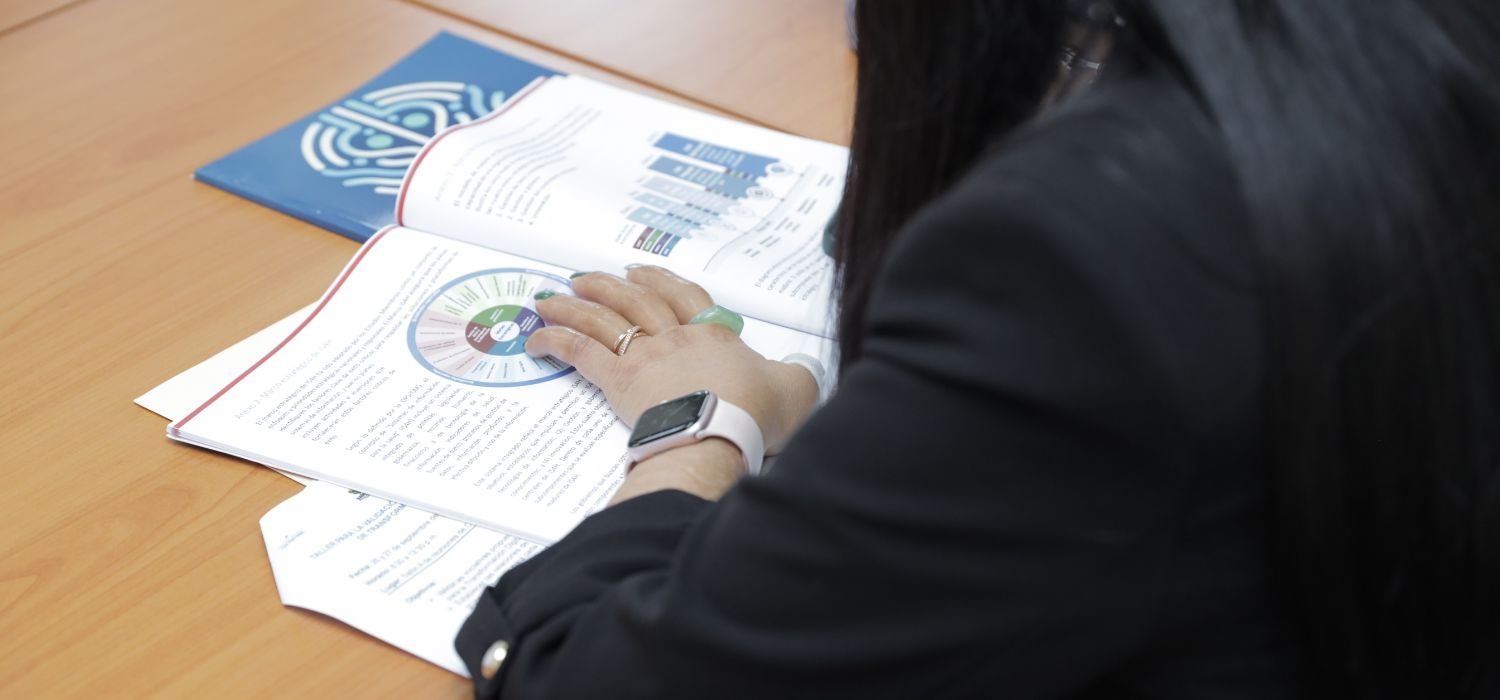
{"x":736,"y":425}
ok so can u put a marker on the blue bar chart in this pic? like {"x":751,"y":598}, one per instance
{"x":691,"y":186}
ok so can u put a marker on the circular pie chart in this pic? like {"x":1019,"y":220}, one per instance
{"x":474,"y":329}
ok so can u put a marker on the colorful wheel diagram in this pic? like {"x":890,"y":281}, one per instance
{"x":474,"y":329}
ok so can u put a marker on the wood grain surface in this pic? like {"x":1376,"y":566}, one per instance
{"x":15,"y":14}
{"x":780,"y":63}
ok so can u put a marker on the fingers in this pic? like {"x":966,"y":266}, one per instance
{"x":639,"y":304}
{"x":592,"y":359}
{"x":685,"y":298}
{"x":597,"y":321}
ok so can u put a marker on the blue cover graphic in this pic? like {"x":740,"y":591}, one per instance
{"x":341,"y":166}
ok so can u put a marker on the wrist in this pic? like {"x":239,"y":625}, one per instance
{"x":705,"y":468}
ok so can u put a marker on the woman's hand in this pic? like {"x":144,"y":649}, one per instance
{"x":671,"y":358}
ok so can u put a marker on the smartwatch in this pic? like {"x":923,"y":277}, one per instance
{"x":688,"y":419}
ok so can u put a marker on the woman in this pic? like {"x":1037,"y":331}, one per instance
{"x":1181,"y":382}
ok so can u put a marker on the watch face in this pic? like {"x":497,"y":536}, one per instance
{"x":668,"y":418}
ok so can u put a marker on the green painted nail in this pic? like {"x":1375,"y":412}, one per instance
{"x":722,"y":316}
{"x":544,"y":294}
{"x":576,"y":275}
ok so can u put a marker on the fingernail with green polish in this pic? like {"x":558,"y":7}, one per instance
{"x":576,"y":275}
{"x":544,"y":294}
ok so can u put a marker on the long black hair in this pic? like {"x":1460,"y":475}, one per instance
{"x":1365,"y":136}
{"x":936,"y":81}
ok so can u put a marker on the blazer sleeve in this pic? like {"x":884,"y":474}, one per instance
{"x":989,"y":502}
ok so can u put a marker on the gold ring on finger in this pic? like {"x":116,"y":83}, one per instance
{"x":622,"y":343}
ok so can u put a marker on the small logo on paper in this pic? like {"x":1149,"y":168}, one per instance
{"x":369,"y":141}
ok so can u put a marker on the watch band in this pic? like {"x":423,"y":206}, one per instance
{"x":736,"y":425}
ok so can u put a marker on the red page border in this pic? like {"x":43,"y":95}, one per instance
{"x":412,"y":171}
{"x":176,"y":427}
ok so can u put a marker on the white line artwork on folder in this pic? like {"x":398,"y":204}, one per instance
{"x":369,"y":141}
{"x":474,"y":329}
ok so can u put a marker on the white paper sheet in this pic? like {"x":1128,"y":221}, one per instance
{"x":178,"y":396}
{"x":402,"y":575}
{"x":421,"y":572}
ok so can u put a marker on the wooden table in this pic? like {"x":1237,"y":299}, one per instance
{"x":130,"y":565}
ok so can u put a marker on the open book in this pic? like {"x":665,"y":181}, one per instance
{"x":408,"y":380}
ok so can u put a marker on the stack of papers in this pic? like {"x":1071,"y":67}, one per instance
{"x":402,"y":575}
{"x":436,"y":454}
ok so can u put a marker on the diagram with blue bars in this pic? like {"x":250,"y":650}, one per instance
{"x":692,"y":186}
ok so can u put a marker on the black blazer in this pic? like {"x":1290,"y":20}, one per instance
{"x":1043,"y":480}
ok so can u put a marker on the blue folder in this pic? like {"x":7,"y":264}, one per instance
{"x":340,"y":167}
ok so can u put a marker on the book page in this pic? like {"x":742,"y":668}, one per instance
{"x":405,"y":576}
{"x":178,"y":396}
{"x":409,"y":381}
{"x":590,"y":177}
